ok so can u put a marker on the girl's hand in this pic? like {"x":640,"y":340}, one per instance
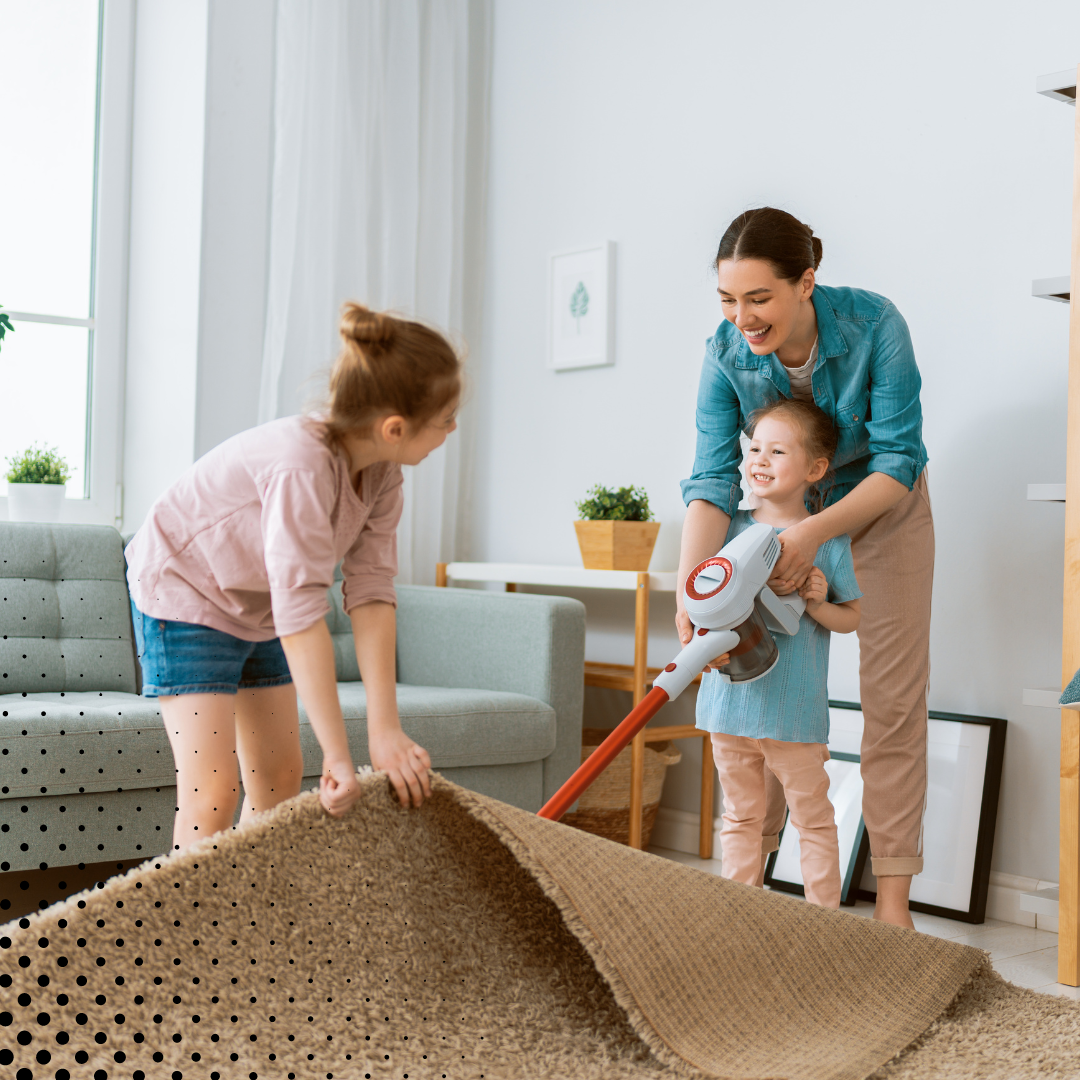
{"x":798,"y":549}
{"x":815,"y":589}
{"x":338,"y":787}
{"x":404,"y":762}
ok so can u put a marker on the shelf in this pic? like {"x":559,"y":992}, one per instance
{"x":1061,"y":86}
{"x":1046,"y":493}
{"x":1046,"y":698}
{"x":1042,"y":902}
{"x":1052,"y":288}
{"x":619,"y":676}
{"x":570,"y":577}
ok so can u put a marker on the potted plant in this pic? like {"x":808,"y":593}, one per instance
{"x":616,"y":531}
{"x":37,"y":484}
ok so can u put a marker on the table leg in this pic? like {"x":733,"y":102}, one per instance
{"x":440,"y":575}
{"x":637,"y":779}
{"x":637,"y":747}
{"x":708,"y":778}
{"x":511,"y":586}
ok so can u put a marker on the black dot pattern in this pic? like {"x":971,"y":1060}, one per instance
{"x":391,"y":943}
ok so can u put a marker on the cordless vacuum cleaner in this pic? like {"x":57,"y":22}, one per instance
{"x":733,"y":611}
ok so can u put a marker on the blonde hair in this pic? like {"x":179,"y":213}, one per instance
{"x":387,"y":366}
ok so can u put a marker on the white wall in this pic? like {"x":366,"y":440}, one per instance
{"x":910,"y":137}
{"x":201,"y":159}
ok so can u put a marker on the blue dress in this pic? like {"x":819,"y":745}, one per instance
{"x":791,"y":702}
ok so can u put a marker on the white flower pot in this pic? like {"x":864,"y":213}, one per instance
{"x":35,"y":502}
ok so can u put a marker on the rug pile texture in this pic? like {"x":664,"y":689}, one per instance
{"x":469,"y":939}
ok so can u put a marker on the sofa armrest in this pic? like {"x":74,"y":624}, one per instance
{"x":522,"y":643}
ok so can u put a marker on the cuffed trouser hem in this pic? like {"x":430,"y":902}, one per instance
{"x":769,"y":844}
{"x":904,"y":866}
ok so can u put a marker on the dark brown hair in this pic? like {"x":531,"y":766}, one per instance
{"x":387,"y":366}
{"x":774,"y":236}
{"x":819,"y":438}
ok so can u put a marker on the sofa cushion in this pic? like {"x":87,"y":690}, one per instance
{"x":456,"y":727}
{"x":61,"y":743}
{"x":65,"y":623}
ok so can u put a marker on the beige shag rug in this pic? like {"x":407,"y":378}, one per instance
{"x":469,"y":939}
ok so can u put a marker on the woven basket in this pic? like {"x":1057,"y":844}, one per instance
{"x":604,"y":809}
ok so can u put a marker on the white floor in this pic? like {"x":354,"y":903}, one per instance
{"x":1023,"y":955}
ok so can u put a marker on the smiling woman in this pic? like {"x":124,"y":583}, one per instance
{"x":849,"y":352}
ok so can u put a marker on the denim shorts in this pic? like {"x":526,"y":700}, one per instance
{"x":185,"y":658}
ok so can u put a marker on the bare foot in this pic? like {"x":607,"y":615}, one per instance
{"x":892,"y":901}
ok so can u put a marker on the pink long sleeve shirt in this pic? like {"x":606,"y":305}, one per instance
{"x":246,"y":540}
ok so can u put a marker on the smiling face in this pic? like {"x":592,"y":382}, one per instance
{"x":777,"y":465}
{"x":767,"y":309}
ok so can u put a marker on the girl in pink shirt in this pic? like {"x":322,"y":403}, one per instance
{"x":229,"y":574}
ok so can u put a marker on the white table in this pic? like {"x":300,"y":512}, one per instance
{"x":634,"y":677}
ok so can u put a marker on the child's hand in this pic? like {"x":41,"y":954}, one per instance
{"x":338,"y":787}
{"x":815,"y":589}
{"x":406,"y":764}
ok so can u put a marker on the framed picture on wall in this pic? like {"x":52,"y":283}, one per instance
{"x":581,"y":307}
{"x":783,"y":871}
{"x":965,"y":757}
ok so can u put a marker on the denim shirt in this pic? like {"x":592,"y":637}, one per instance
{"x":865,"y":378}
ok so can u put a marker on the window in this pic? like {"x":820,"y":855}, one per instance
{"x":49,"y":82}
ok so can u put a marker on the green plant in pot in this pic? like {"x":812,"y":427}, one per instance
{"x":37,"y":485}
{"x":616,"y":530}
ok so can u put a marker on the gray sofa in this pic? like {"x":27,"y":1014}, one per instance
{"x":489,"y":683}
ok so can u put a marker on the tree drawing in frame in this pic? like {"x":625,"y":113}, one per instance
{"x":579,"y":303}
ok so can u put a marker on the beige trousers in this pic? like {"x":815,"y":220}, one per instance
{"x":894,"y":562}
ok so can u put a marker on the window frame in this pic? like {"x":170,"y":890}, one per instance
{"x":107,"y":321}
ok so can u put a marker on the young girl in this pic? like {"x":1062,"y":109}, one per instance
{"x":229,"y":574}
{"x":781,"y":721}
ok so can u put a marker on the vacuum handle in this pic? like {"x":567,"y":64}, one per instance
{"x":704,"y":646}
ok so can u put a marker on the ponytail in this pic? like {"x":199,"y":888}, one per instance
{"x":388,"y":366}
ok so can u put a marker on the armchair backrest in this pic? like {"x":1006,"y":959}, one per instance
{"x":65,"y":622}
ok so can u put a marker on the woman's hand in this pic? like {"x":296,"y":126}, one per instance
{"x":407,"y":764}
{"x":798,"y":549}
{"x":815,"y":589}
{"x":338,"y":787}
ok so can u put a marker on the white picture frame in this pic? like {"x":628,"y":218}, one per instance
{"x":581,"y":307}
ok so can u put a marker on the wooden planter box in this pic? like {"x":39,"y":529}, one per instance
{"x":616,"y":545}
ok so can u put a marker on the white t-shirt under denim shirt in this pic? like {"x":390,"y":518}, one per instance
{"x":799,"y":377}
{"x":791,"y":702}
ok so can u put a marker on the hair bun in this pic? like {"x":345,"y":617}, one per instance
{"x":815,"y":245}
{"x":366,"y":327}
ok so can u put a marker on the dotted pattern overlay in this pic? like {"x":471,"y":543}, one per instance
{"x":391,"y":943}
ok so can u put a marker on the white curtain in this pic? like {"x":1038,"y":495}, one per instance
{"x":378,"y":186}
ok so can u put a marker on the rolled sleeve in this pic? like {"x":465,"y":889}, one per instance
{"x":718,"y":455}
{"x":895,"y":425}
{"x":298,"y":548}
{"x":370,"y":565}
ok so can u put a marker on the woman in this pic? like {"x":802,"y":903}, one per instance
{"x":849,"y":352}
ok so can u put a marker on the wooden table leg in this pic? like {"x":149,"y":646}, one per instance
{"x":511,"y":586}
{"x":708,"y":777}
{"x":637,"y":747}
{"x":440,"y":575}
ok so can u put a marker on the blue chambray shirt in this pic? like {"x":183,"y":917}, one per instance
{"x":791,"y":702}
{"x":865,"y":378}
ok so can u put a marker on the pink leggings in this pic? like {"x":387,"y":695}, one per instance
{"x":800,"y":767}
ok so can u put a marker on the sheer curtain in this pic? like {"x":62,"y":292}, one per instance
{"x":378,"y":184}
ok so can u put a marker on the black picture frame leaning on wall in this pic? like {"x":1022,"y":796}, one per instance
{"x":980,"y":853}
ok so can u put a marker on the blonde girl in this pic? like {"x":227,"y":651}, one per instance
{"x":780,"y":722}
{"x":229,"y":575}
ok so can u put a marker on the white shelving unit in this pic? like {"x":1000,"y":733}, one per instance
{"x":1052,"y":288}
{"x":1061,"y":86}
{"x":1046,"y":697}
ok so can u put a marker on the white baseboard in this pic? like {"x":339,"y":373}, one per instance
{"x":678,"y":831}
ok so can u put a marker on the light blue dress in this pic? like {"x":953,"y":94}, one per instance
{"x":791,"y":702}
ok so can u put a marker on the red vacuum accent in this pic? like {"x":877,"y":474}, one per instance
{"x":691,"y":581}
{"x":604,"y":754}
